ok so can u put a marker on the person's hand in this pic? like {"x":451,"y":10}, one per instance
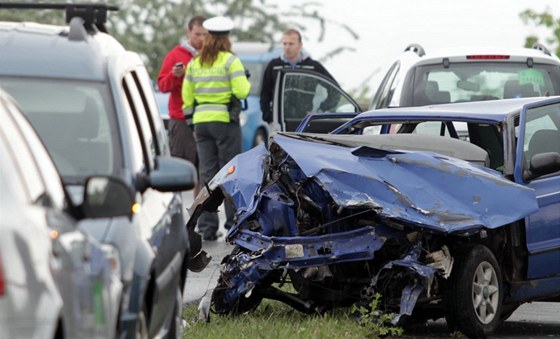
{"x":178,"y":70}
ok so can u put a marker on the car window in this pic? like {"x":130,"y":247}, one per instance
{"x":141,"y":120}
{"x":154,"y":117}
{"x":459,"y":82}
{"x":307,"y":94}
{"x":387,"y":88}
{"x":135,"y":147}
{"x":542,"y":131}
{"x":74,"y":119}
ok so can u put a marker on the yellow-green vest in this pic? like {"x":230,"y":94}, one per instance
{"x":211,"y":87}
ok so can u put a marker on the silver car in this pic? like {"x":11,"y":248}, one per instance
{"x":55,"y":280}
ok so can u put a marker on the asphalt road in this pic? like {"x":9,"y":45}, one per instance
{"x":533,"y":320}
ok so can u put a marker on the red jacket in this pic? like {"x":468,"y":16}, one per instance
{"x":167,"y":82}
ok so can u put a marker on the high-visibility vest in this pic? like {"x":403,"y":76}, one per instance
{"x":211,"y":88}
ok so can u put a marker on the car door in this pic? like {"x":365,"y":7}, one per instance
{"x":299,"y":93}
{"x":160,"y":213}
{"x":538,"y":133}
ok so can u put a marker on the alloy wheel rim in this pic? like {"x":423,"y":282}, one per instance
{"x":485,"y":292}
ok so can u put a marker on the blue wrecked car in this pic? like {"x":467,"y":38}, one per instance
{"x":397,"y":202}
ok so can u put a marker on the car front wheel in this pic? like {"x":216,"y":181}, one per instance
{"x":476,"y":292}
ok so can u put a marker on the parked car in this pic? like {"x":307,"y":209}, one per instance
{"x":423,"y":77}
{"x":394,"y":202}
{"x":255,"y":57}
{"x":56,"y":281}
{"x":92,"y":103}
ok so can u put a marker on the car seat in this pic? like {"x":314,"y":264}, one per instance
{"x":513,"y":89}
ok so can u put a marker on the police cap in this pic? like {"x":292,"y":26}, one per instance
{"x":218,"y":25}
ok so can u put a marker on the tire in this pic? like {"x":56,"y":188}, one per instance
{"x":260,"y":138}
{"x":176,"y":326}
{"x":474,"y":298}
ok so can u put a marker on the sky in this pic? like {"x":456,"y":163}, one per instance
{"x":386,"y":27}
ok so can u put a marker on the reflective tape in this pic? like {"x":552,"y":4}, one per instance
{"x":206,"y":108}
{"x":212,"y":90}
{"x":216,"y":78}
{"x":237,"y":74}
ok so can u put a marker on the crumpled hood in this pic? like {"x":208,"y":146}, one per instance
{"x":419,"y":188}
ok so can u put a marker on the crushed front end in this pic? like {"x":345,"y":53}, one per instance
{"x":340,"y":224}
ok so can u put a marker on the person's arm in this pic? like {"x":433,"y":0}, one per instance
{"x":167,"y":80}
{"x":267,"y":88}
{"x":187,"y":94}
{"x":240,"y":85}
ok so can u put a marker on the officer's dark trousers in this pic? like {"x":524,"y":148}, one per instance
{"x":216,"y":144}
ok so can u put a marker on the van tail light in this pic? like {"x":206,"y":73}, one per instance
{"x":2,"y":280}
{"x":488,"y":57}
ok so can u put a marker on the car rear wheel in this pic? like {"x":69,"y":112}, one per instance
{"x":474,"y":304}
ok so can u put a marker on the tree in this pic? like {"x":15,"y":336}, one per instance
{"x":153,"y":27}
{"x":549,"y":22}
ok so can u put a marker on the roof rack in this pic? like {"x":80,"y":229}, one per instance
{"x":542,"y":48}
{"x":416,"y":48}
{"x":94,"y":15}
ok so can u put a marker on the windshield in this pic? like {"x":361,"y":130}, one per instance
{"x":476,"y":81}
{"x":76,"y":122}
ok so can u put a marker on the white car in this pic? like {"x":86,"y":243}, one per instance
{"x":56,"y":281}
{"x":423,"y":77}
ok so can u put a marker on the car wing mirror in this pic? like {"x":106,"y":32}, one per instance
{"x":172,"y":175}
{"x":106,"y":197}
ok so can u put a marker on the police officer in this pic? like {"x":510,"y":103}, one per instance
{"x":215,"y":80}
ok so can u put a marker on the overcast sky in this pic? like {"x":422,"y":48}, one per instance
{"x":386,"y":27}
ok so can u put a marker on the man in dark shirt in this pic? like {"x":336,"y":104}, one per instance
{"x":292,"y":58}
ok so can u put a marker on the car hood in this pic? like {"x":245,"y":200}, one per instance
{"x":419,"y":189}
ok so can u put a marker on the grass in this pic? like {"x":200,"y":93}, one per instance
{"x":276,"y":320}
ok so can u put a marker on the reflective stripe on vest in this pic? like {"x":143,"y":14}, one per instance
{"x":212,"y":87}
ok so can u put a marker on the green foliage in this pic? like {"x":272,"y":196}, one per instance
{"x":374,"y":319}
{"x":546,"y":20}
{"x":153,"y":27}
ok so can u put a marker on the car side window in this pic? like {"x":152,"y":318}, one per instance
{"x":135,"y":149}
{"x":141,"y":121}
{"x":542,"y":132}
{"x":307,"y":94}
{"x":387,"y":88}
{"x":156,"y":123}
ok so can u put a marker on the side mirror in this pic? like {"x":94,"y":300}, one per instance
{"x":542,"y":164}
{"x":106,"y":197}
{"x":172,"y":175}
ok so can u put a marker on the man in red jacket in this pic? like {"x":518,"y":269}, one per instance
{"x":181,"y":138}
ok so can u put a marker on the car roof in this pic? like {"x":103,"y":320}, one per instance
{"x":494,"y":110}
{"x":417,"y":56}
{"x":25,"y":40}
